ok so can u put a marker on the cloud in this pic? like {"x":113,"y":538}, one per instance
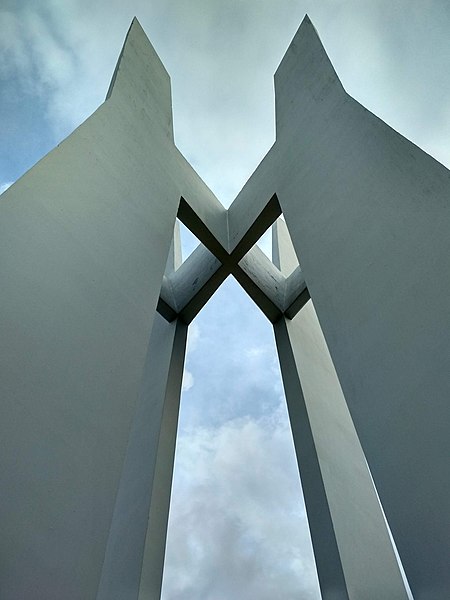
{"x":192,"y":342}
{"x":66,"y":52}
{"x":32,"y":53}
{"x":237,"y":525}
{"x":188,"y":381}
{"x":397,"y":68}
{"x":222,"y":56}
{"x":233,"y":361}
{"x":15,"y":59}
{"x":193,"y":337}
{"x":5,"y":186}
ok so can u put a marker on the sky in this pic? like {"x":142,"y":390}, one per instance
{"x":237,"y":527}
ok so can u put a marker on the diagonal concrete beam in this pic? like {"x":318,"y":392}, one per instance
{"x":296,"y":293}
{"x":185,"y":291}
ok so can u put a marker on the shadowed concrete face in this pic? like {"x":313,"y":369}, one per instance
{"x":91,"y":375}
{"x":134,"y":556}
{"x":85,"y":237}
{"x":369,"y":216}
{"x":354,"y":555}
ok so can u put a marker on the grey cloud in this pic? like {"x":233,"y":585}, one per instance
{"x":235,"y":360}
{"x":237,"y":525}
{"x":395,"y":59}
{"x":222,"y":57}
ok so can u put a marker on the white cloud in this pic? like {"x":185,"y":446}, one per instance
{"x":188,"y":381}
{"x":237,"y":523}
{"x":5,"y":186}
{"x":14,"y":58}
{"x":33,"y":54}
{"x":193,"y":336}
{"x":256,"y":352}
{"x":234,"y":361}
{"x":221,"y":66}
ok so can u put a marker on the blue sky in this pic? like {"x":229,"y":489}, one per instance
{"x":237,"y":526}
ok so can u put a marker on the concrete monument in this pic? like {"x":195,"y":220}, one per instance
{"x":94,"y":314}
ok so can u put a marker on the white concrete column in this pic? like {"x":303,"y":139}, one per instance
{"x":369,"y":216}
{"x":84,"y":241}
{"x":134,"y":558}
{"x":352,"y":547}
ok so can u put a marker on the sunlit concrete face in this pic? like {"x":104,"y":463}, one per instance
{"x":94,"y":315}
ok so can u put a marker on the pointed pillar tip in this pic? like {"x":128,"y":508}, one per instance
{"x":308,"y":40}
{"x":137,"y":35}
{"x":306,"y":23}
{"x":139,"y":71}
{"x":305,"y":71}
{"x":135,"y":24}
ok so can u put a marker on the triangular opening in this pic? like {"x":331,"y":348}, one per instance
{"x":237,"y":524}
{"x":267,"y":243}
{"x":189,"y":241}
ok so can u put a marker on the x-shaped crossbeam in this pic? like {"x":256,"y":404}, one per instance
{"x":186,"y":290}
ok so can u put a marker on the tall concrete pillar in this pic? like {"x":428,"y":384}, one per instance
{"x":134,"y":557}
{"x":369,"y":216}
{"x":354,"y":556}
{"x":84,"y":241}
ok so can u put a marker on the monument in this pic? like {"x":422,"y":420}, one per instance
{"x":96,"y":305}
